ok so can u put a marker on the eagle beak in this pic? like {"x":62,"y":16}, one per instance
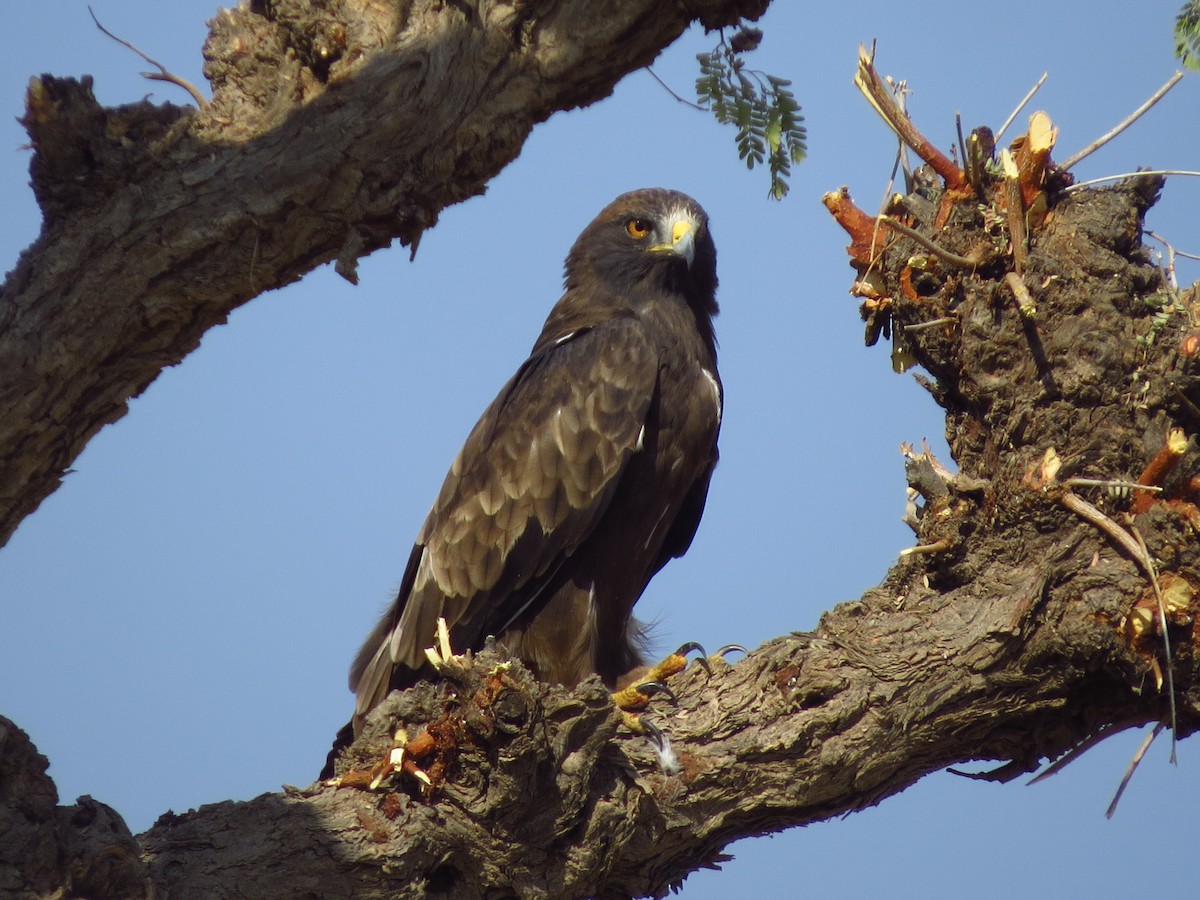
{"x":683,"y":240}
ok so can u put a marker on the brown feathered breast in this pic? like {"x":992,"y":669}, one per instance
{"x":585,"y":475}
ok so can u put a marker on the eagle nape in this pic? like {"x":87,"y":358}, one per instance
{"x":585,"y":476}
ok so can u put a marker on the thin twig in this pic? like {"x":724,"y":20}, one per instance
{"x":1015,"y":219}
{"x":872,"y":86}
{"x":1082,"y":184}
{"x":1162,"y":624}
{"x":1101,"y":734}
{"x":961,"y":262}
{"x":1169,"y":272}
{"x":1133,"y":764}
{"x":962,"y":145}
{"x":1111,"y":483}
{"x":1119,"y":535}
{"x":666,"y":87}
{"x":164,"y":76}
{"x":1020,"y":106}
{"x":932,"y":323}
{"x":1129,"y":120}
{"x":938,"y":546}
{"x":1170,"y":249}
{"x":1025,"y":304}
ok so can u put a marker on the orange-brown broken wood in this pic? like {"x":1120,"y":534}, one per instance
{"x":1178,"y":595}
{"x":1187,"y":511}
{"x":1158,"y":469}
{"x":867,"y":234}
{"x":418,"y":748}
{"x":1193,"y":487}
{"x":876,"y":91}
{"x":1014,"y":202}
{"x":1032,"y":154}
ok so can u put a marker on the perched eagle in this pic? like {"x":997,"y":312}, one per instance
{"x":585,"y":475}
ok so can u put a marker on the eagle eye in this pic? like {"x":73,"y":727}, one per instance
{"x":638,"y":228}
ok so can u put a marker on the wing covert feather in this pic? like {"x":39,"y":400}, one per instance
{"x":532,"y":479}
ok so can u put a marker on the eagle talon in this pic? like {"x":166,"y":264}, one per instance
{"x":731,"y":648}
{"x":653,"y":733}
{"x":684,"y":650}
{"x":651,"y":688}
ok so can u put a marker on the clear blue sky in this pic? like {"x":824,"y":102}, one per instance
{"x":176,"y":621}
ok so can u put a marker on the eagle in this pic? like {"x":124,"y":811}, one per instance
{"x":587,"y":473}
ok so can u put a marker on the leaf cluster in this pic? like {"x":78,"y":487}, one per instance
{"x":1187,"y":35}
{"x":762,"y":107}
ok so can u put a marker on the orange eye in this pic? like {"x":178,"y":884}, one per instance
{"x":638,"y":228}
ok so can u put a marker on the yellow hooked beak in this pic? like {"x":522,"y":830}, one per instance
{"x":683,"y":239}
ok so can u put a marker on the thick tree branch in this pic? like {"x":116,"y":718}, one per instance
{"x":1022,"y":640}
{"x":333,"y":129}
{"x":1022,"y":637}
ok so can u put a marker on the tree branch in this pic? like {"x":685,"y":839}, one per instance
{"x":1013,"y":643}
{"x":327,"y":137}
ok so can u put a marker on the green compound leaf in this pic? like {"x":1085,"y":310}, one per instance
{"x":761,"y":106}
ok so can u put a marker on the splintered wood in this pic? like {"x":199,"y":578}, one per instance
{"x":1011,"y":188}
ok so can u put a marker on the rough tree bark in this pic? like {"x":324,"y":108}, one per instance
{"x":335,"y":127}
{"x":1021,"y":634}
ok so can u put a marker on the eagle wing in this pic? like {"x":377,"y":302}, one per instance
{"x":532,"y":480}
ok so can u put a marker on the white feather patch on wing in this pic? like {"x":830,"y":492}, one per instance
{"x":716,"y":389}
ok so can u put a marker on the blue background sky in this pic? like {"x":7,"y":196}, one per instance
{"x":177,"y":620}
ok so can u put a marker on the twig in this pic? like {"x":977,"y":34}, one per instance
{"x":1129,"y":120}
{"x":1171,"y":251}
{"x":1082,"y":184}
{"x":1025,"y":304}
{"x":961,"y":262}
{"x":1169,"y":272}
{"x":932,"y":323}
{"x":1162,"y":624}
{"x":1020,"y":106}
{"x":1081,"y":748}
{"x":1133,"y":764}
{"x":1015,"y":219}
{"x":1111,"y":483}
{"x":1135,"y":546}
{"x":1119,"y":535}
{"x":873,"y":88}
{"x":938,"y":546}
{"x":666,"y":87}
{"x":962,"y":145}
{"x":162,"y":74}
{"x":1160,"y":466}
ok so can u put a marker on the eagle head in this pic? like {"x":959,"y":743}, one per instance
{"x":649,"y":239}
